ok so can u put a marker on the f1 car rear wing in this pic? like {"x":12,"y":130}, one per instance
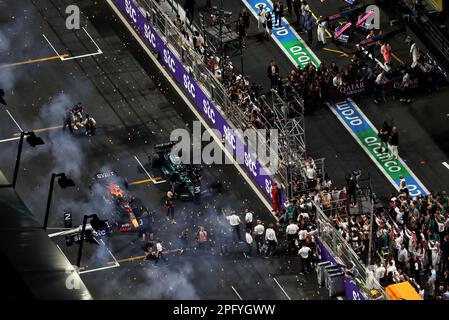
{"x":105,"y":175}
{"x":164,"y":147}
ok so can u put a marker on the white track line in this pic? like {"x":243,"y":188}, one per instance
{"x":99,"y":51}
{"x":192,"y":108}
{"x":14,"y":120}
{"x":113,"y":257}
{"x":99,"y":269}
{"x":91,"y":39}
{"x":57,"y":53}
{"x":148,"y":174}
{"x":103,"y":268}
{"x":445,"y":164}
{"x":82,"y":56}
{"x":9,"y":139}
{"x":236,"y":293}
{"x":288,"y":297}
{"x":88,"y":54}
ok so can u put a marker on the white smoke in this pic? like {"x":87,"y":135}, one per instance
{"x":67,"y":151}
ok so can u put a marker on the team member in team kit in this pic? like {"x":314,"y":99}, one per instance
{"x":292,"y":235}
{"x":249,"y":244}
{"x":249,"y":219}
{"x":259,"y":232}
{"x":234,"y":221}
{"x":170,"y":207}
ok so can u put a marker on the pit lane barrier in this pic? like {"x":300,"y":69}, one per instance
{"x":334,"y":248}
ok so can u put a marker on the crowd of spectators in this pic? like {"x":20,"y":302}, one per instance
{"x":412,"y":241}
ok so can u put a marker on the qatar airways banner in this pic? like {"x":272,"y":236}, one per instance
{"x":193,"y":90}
{"x":365,"y":87}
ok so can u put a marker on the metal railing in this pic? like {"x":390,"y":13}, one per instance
{"x":342,"y":252}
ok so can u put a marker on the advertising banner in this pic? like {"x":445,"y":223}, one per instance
{"x":204,"y":105}
{"x":286,"y":37}
{"x":365,"y":87}
{"x":363,"y":131}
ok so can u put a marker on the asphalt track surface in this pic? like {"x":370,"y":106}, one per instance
{"x":135,"y":108}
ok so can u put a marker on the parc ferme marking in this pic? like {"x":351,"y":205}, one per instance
{"x":365,"y":134}
{"x":286,"y":37}
{"x":201,"y":101}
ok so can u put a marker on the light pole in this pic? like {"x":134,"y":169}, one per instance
{"x":96,"y":224}
{"x":33,"y":141}
{"x":64,"y":182}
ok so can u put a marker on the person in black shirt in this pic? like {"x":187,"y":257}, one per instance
{"x":289,"y":6}
{"x":445,"y":251}
{"x":146,"y":229}
{"x":273,"y":73}
{"x":189,"y":6}
{"x":67,"y":120}
{"x":245,"y":16}
{"x":394,"y":142}
{"x":269,"y":22}
{"x":278,"y":8}
{"x":384,"y":134}
{"x":352,"y":189}
{"x":148,"y":251}
{"x":241,"y":30}
{"x":297,"y":11}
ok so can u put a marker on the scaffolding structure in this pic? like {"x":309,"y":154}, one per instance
{"x":288,"y":119}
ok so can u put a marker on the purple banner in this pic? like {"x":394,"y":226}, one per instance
{"x":193,"y":90}
{"x":352,"y":291}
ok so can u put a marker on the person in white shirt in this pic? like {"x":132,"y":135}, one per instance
{"x":304,"y":7}
{"x":159,"y":250}
{"x":302,"y":235}
{"x":234,"y":221}
{"x":405,"y":88}
{"x":261,"y":21}
{"x":248,"y":219}
{"x":403,"y":256}
{"x":414,"y":53}
{"x":321,"y":30}
{"x":249,"y":244}
{"x":399,"y":216}
{"x":271,"y":239}
{"x":311,"y":177}
{"x":304,"y":255}
{"x":391,"y":268}
{"x":292,"y":235}
{"x":379,"y":272}
{"x":337,"y":81}
{"x":259,"y":231}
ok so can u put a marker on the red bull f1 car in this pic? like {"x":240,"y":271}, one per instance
{"x":122,"y":208}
